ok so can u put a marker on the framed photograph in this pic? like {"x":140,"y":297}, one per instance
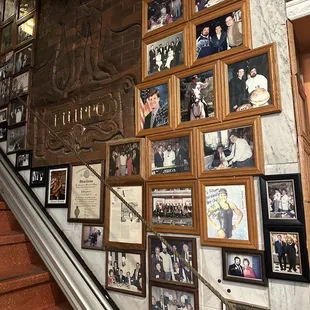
{"x":243,"y":306}
{"x":165,"y":267}
{"x":23,"y":160}
{"x":57,"y":187}
{"x":203,"y":7}
{"x":38,"y":177}
{"x":86,"y":194}
{"x":162,"y":296}
{"x":23,"y":59}
{"x":125,"y":159}
{"x":25,"y":31}
{"x":197,"y":96}
{"x":16,"y":139}
{"x":228,"y":215}
{"x":9,"y":9}
{"x":221,"y":33}
{"x":171,"y":157}
{"x":5,"y":89}
{"x":122,"y":228}
{"x":3,"y":115}
{"x":154,"y":107}
{"x":282,"y":200}
{"x":172,"y":207}
{"x":18,"y":111}
{"x":3,"y":131}
{"x":165,"y":53}
{"x":6,"y":65}
{"x":6,"y":37}
{"x":286,"y":253}
{"x":25,"y":7}
{"x":20,"y":84}
{"x":125,"y":272}
{"x":92,"y":237}
{"x":246,"y":266}
{"x":227,"y":149}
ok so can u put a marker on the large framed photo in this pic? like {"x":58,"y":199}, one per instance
{"x":282,"y":200}
{"x":3,"y":131}
{"x":228,"y":215}
{"x":125,"y":272}
{"x":173,"y":208}
{"x":20,"y":84}
{"x":25,"y":31}
{"x":123,"y":229}
{"x":166,"y":267}
{"x":197,"y":96}
{"x":221,"y":33}
{"x":86,"y":194}
{"x":18,"y":111}
{"x":92,"y":237}
{"x":38,"y":177}
{"x":3,"y":115}
{"x":162,"y":296}
{"x":165,"y":53}
{"x":57,"y":186}
{"x":23,"y":59}
{"x":251,"y":83}
{"x":246,"y":266}
{"x":230,"y":149}
{"x":5,"y":90}
{"x":23,"y":160}
{"x":171,"y":157}
{"x":125,"y":159}
{"x":286,"y":253}
{"x":16,"y":139}
{"x":154,"y":107}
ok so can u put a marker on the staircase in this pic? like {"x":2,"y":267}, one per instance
{"x":25,"y":283}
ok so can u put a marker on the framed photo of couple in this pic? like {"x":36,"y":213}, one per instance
{"x":228,"y":213}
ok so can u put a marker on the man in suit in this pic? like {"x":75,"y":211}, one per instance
{"x":128,"y":279}
{"x":180,"y":156}
{"x":113,"y":164}
{"x":161,"y":304}
{"x":152,"y":60}
{"x":156,"y":117}
{"x":174,"y":258}
{"x":187,"y":256}
{"x":236,"y":269}
{"x":219,"y":39}
{"x":280,"y":248}
{"x":156,"y":258}
{"x":137,"y":275}
{"x":120,"y":278}
{"x":159,"y":157}
{"x":220,"y":156}
{"x":178,"y":49}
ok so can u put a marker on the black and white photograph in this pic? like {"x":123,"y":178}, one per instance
{"x":163,"y":12}
{"x":38,"y":177}
{"x":3,"y":115}
{"x":16,"y":139}
{"x":6,"y":37}
{"x":25,"y":7}
{"x":25,"y":30}
{"x":23,"y":160}
{"x":3,"y":131}
{"x":204,"y":4}
{"x":165,"y":53}
{"x":9,"y":9}
{"x":219,"y":35}
{"x":17,"y":111}
{"x":22,"y":59}
{"x":20,"y":84}
{"x":92,"y":237}
{"x":5,"y":87}
{"x":6,"y":65}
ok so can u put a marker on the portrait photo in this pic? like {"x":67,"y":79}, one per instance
{"x":20,"y":84}
{"x":16,"y":139}
{"x":3,"y":115}
{"x":204,"y":4}
{"x":6,"y":37}
{"x":25,"y":7}
{"x":23,"y":160}
{"x":17,"y":111}
{"x":9,"y":9}
{"x":3,"y":131}
{"x":92,"y":237}
{"x":6,"y":65}
{"x":5,"y":88}
{"x":125,"y":272}
{"x":25,"y":30}
{"x":22,"y":59}
{"x":38,"y":177}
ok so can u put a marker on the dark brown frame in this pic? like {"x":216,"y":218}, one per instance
{"x":30,"y":160}
{"x":39,"y":184}
{"x":82,"y":235}
{"x":31,"y":60}
{"x":26,"y":111}
{"x":27,"y":70}
{"x":25,"y":139}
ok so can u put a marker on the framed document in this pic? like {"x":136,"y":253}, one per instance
{"x":85,"y":195}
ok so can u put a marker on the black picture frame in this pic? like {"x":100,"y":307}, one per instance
{"x":41,"y":172}
{"x":241,"y":253}
{"x":23,"y":160}
{"x":3,"y":131}
{"x":302,"y":260}
{"x":265,"y":186}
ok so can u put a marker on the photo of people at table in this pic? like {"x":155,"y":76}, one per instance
{"x":218,"y":35}
{"x":249,"y":84}
{"x":232,"y":148}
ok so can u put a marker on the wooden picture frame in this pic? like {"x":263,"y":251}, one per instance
{"x":129,"y":282}
{"x":163,"y":167}
{"x":180,"y":56}
{"x":129,"y":232}
{"x":209,"y":117}
{"x":3,"y":131}
{"x":256,"y":103}
{"x":22,"y":81}
{"x":282,"y":200}
{"x":38,"y":177}
{"x":7,"y":37}
{"x":16,"y":139}
{"x":23,"y":160}
{"x":293,"y":257}
{"x":234,"y":269}
{"x":183,"y":221}
{"x":201,"y":55}
{"x":90,"y":239}
{"x":56,"y":194}
{"x":160,"y":93}
{"x":159,"y":255}
{"x":146,"y":32}
{"x":18,"y":113}
{"x":86,"y":199}
{"x":21,"y":62}
{"x":219,"y":232}
{"x":213,"y":137}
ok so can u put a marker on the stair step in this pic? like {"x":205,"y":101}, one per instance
{"x":3,"y":205}
{"x":22,"y":276}
{"x":63,"y":306}
{"x":8,"y":222}
{"x":12,"y":237}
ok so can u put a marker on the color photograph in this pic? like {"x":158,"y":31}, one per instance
{"x":204,"y":4}
{"x":92,"y":237}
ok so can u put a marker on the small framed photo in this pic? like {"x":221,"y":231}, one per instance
{"x":286,"y":253}
{"x":18,"y":111}
{"x":9,"y":9}
{"x":197,"y":96}
{"x":125,"y":272}
{"x":20,"y":84}
{"x":16,"y":139}
{"x":228,"y":216}
{"x":227,"y":149}
{"x":173,"y":208}
{"x":166,"y":267}
{"x":25,"y":7}
{"x":23,"y":59}
{"x":92,"y":237}
{"x":3,"y":115}
{"x":162,"y":296}
{"x":246,"y":266}
{"x":125,"y":159}
{"x":243,"y":306}
{"x":5,"y":90}
{"x":38,"y":177}
{"x":3,"y":131}
{"x":25,"y":31}
{"x":57,"y":186}
{"x":221,"y":33}
{"x":165,"y":53}
{"x":202,"y":7}
{"x":123,"y":229}
{"x":171,"y":157}
{"x":6,"y":67}
{"x":154,"y":107}
{"x":6,"y":37}
{"x":23,"y":160}
{"x":282,"y":201}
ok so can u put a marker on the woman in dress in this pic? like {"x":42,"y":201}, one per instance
{"x":170,"y":57}
{"x":248,"y":272}
{"x":159,"y":62}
